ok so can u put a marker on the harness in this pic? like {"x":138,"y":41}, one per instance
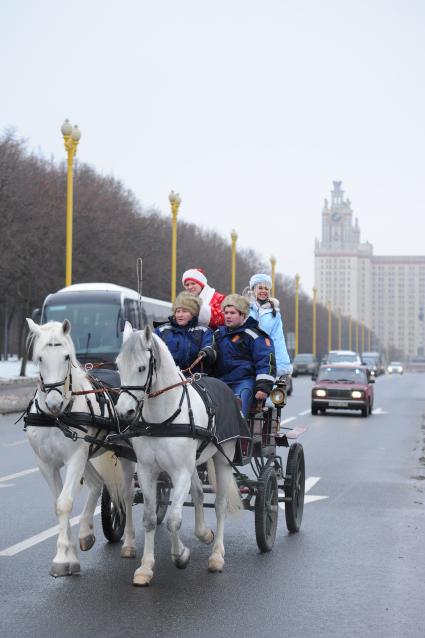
{"x":68,"y":421}
{"x":140,"y":427}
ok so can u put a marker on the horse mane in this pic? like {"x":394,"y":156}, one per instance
{"x":133,"y":349}
{"x":50,"y":333}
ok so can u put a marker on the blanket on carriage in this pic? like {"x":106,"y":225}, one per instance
{"x":228,"y":422}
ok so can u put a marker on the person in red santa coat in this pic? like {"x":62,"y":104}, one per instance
{"x":211,"y":314}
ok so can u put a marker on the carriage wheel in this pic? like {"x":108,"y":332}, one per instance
{"x":163,"y":489}
{"x":266,"y":509}
{"x":113,"y":518}
{"x":294,"y":487}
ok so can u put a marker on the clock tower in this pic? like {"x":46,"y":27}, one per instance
{"x":343,"y":265}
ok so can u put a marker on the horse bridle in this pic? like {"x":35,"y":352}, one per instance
{"x":146,"y":388}
{"x":49,"y":387}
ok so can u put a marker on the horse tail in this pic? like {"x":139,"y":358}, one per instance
{"x":211,"y":474}
{"x":234,"y":503}
{"x":111,"y":472}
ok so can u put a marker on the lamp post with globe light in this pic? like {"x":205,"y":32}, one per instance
{"x":71,"y":135}
{"x":273,"y":265}
{"x":175,"y":201}
{"x":234,"y":237}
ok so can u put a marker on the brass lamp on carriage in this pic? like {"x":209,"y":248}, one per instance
{"x":278,"y":397}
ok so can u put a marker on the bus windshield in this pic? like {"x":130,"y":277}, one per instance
{"x":95,"y":326}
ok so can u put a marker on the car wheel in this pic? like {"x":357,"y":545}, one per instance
{"x":314,"y":409}
{"x":365,"y":411}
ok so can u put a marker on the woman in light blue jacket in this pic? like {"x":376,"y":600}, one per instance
{"x":265,"y":310}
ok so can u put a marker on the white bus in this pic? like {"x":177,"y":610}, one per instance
{"x":97,"y":313}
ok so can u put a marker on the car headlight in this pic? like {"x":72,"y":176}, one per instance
{"x":320,"y":393}
{"x":356,"y":394}
{"x":390,"y":369}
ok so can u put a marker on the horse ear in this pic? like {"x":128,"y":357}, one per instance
{"x":127,"y":332}
{"x":66,"y":327}
{"x":33,"y":327}
{"x":148,"y":333}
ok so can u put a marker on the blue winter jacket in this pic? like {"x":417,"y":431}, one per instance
{"x":244,"y":353}
{"x":263,"y":313}
{"x":184,"y":342}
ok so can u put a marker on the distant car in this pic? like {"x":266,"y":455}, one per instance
{"x":343,"y":386}
{"x":374,"y":362}
{"x":395,"y":367}
{"x":305,"y":363}
{"x":342,"y":356}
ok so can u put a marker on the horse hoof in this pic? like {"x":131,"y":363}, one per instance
{"x":60,"y":569}
{"x":87,"y":542}
{"x":128,"y":552}
{"x":182,"y":561}
{"x":215,"y":564}
{"x":141,"y":580}
{"x":74,"y":568}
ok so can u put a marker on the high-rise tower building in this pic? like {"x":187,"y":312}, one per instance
{"x":387,"y":294}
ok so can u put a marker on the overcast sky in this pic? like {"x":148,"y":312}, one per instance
{"x":248,"y":109}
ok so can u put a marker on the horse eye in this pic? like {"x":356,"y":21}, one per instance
{"x":142,"y":368}
{"x":67,"y":357}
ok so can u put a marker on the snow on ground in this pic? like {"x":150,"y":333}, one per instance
{"x":10,"y":369}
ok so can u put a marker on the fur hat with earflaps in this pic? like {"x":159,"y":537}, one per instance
{"x":189,"y":302}
{"x":239,"y":302}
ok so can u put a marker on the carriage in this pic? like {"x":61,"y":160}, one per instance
{"x":249,"y":469}
{"x":263,"y":479}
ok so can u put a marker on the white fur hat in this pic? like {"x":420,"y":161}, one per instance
{"x":260,"y":278}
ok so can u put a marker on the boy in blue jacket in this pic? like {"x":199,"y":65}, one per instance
{"x":242,"y":354}
{"x":182,"y":334}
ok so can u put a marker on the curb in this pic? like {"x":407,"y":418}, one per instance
{"x":17,"y":380}
{"x":10,"y":404}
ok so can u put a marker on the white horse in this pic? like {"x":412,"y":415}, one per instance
{"x":146,"y":366}
{"x":60,"y":377}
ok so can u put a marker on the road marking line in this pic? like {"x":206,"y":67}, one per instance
{"x":288,"y":420}
{"x":39,"y":538}
{"x":310,"y":482}
{"x":305,"y":412}
{"x":379,"y":411}
{"x":9,"y":477}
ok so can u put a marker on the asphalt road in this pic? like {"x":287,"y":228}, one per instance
{"x":356,"y":568}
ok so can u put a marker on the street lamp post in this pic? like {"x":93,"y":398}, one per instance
{"x":357,"y":335}
{"x":314,"y":319}
{"x":297,"y":287}
{"x":175,"y":201}
{"x":329,"y":326}
{"x":369,"y":339}
{"x":273,"y":264}
{"x":234,"y":237}
{"x":363,"y":329}
{"x":350,"y":333}
{"x":71,"y":135}
{"x":339,"y":330}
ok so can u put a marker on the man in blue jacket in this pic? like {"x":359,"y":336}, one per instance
{"x":243,"y":355}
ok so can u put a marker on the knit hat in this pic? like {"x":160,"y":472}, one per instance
{"x":195,"y":274}
{"x":189,"y":302}
{"x":239,"y":302}
{"x":260,"y":279}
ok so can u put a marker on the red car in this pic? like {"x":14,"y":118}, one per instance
{"x":343,"y":386}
